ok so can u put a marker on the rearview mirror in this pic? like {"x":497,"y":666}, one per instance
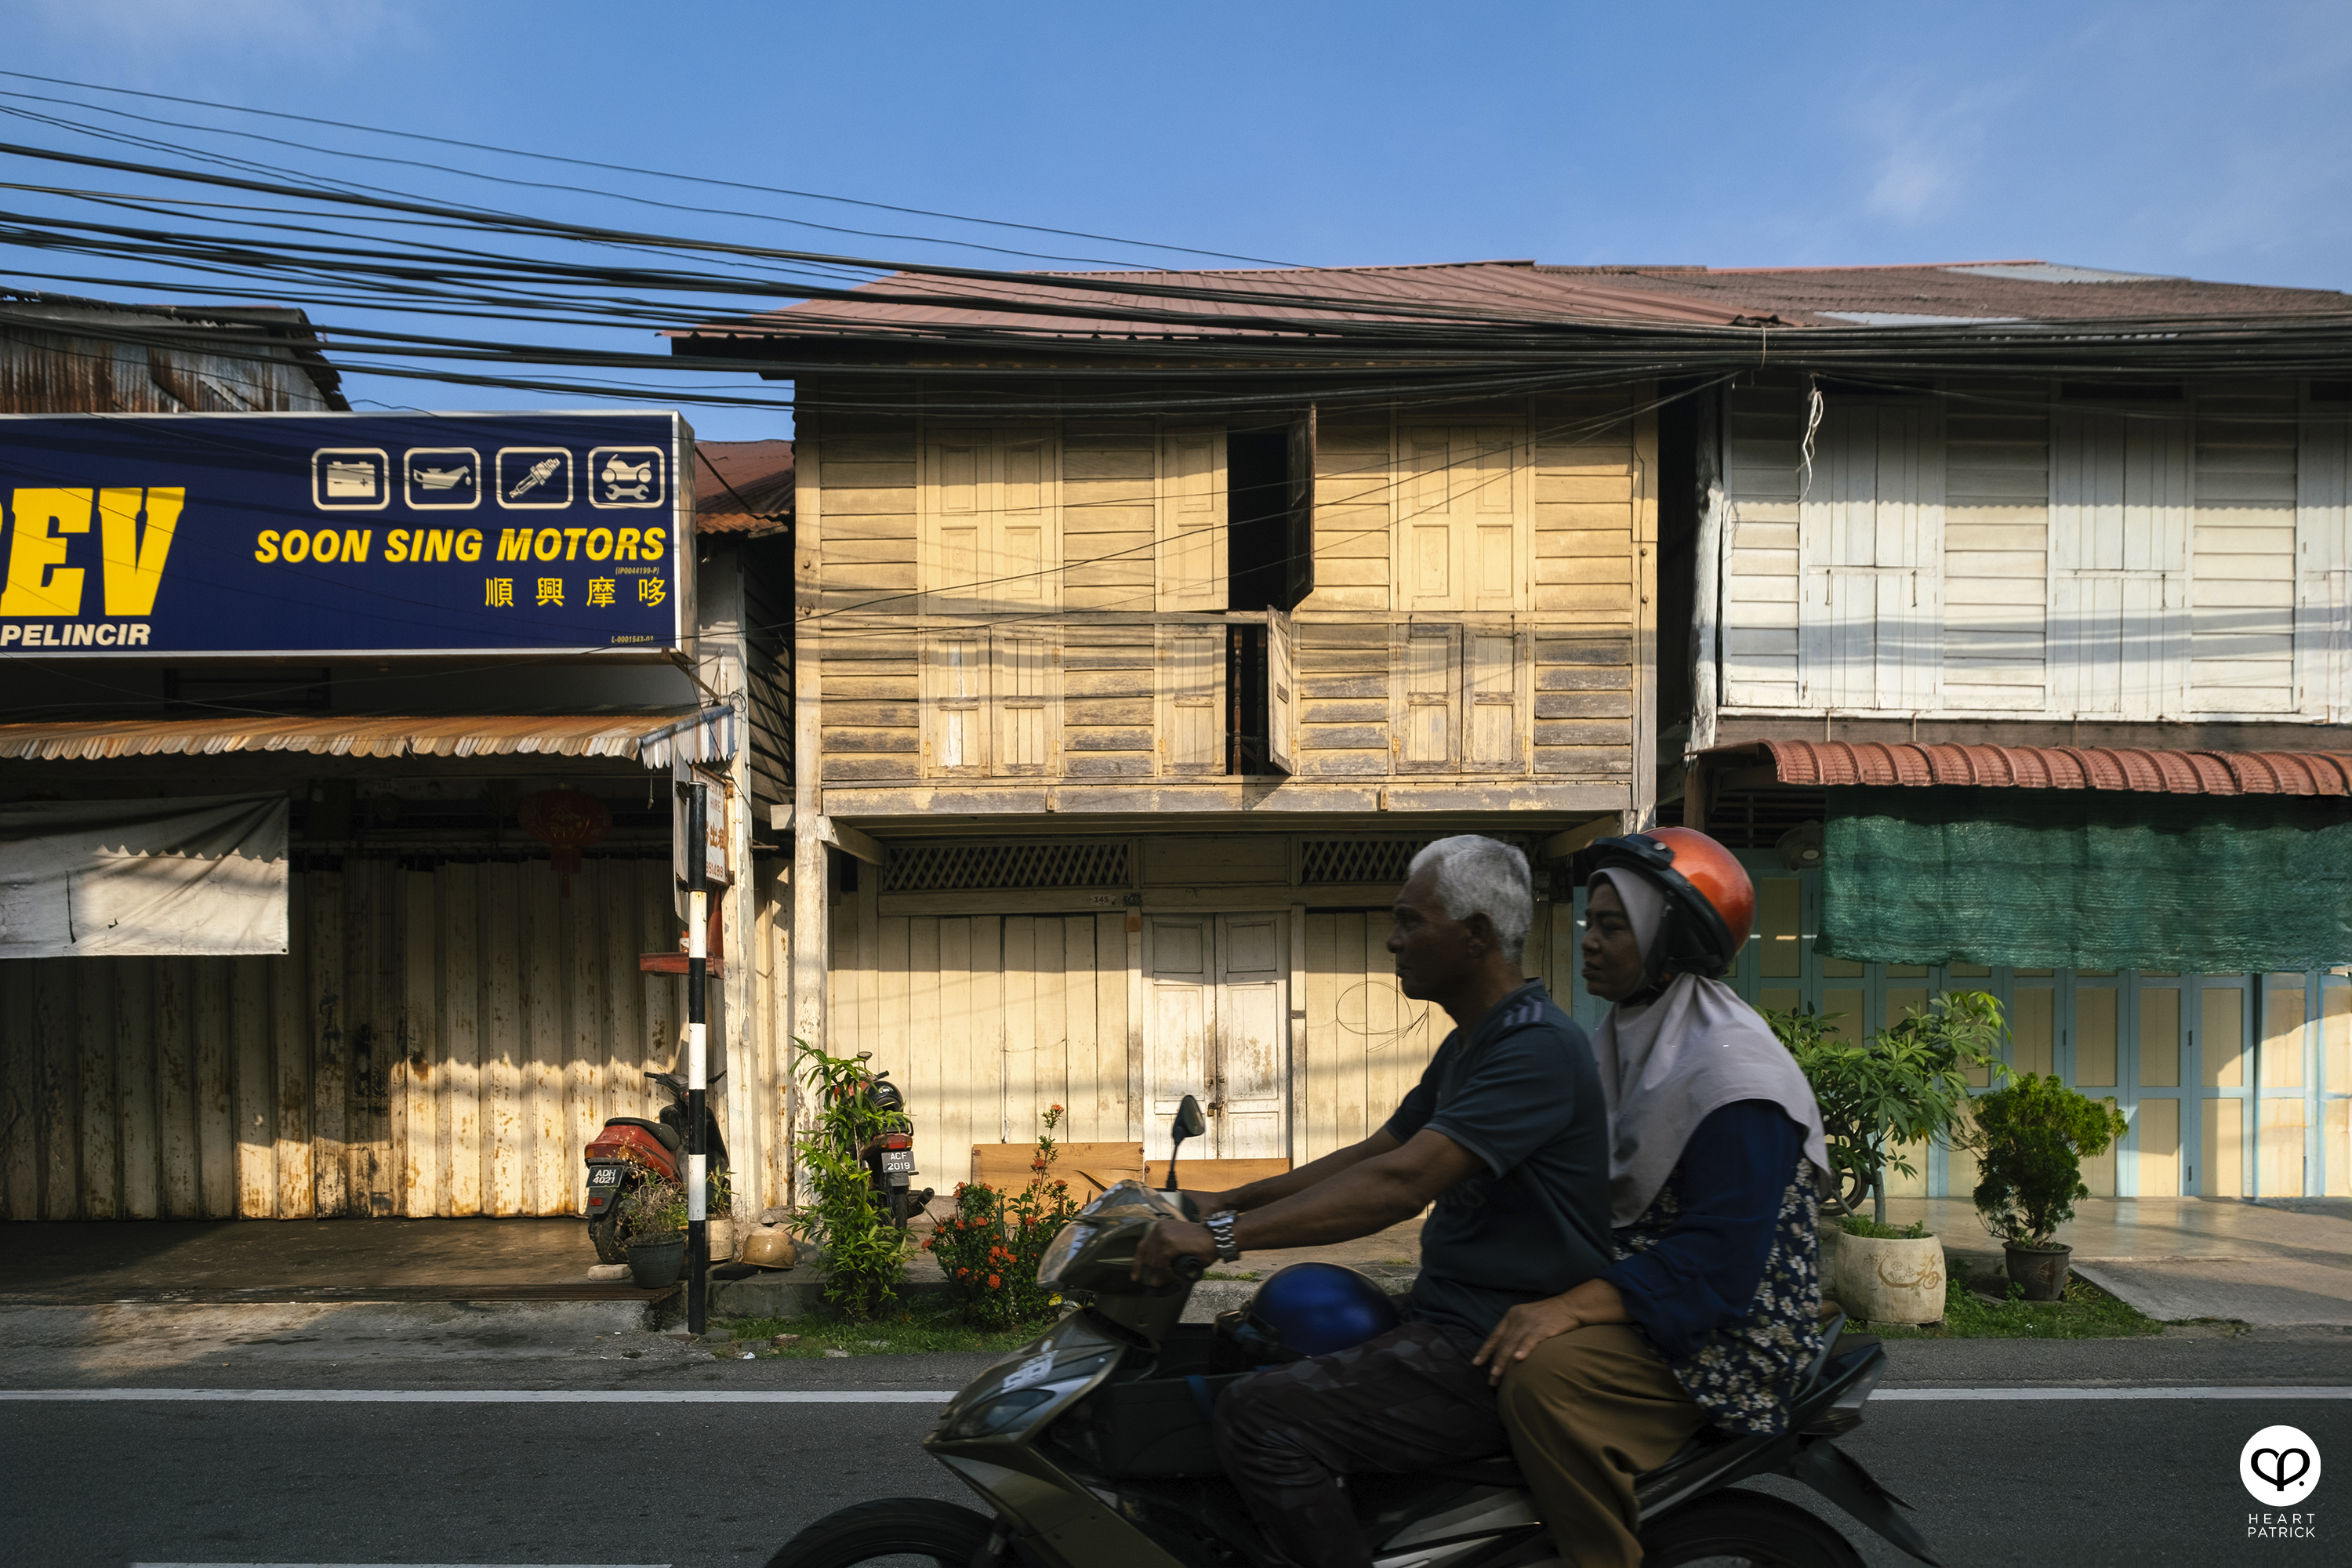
{"x":1190,"y":1122}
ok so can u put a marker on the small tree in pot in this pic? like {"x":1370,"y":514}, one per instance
{"x":1907,"y":1084}
{"x":653,"y":1219}
{"x":2031,"y":1138}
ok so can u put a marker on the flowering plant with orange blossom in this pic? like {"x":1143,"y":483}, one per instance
{"x":989,"y":1247}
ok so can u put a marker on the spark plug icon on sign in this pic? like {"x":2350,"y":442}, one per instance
{"x":540,"y":472}
{"x":627,"y":481}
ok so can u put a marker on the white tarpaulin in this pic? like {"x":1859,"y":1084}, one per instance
{"x":200,"y":875}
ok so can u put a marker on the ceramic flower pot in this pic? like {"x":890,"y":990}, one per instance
{"x":2040,"y":1272}
{"x":655,"y":1264}
{"x":1891,"y":1281}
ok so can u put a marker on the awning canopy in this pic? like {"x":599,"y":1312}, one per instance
{"x":1816,"y":764}
{"x":655,"y":739}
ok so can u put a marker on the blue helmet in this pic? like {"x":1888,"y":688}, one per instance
{"x":1314,"y":1309}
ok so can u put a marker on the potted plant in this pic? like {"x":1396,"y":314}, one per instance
{"x":1907,"y":1084}
{"x":989,"y":1250}
{"x":652,"y":1217}
{"x":865,"y":1255}
{"x":2029,"y":1139}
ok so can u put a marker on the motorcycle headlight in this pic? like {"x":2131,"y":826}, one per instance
{"x":1060,"y":1255}
{"x":1007,"y":1411}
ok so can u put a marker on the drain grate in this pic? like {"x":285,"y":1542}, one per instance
{"x":958,"y":868}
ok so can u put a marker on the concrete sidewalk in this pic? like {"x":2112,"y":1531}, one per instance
{"x":63,"y":1263}
{"x":2275,"y":1264}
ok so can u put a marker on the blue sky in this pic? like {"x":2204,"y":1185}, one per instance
{"x":2212,"y":140}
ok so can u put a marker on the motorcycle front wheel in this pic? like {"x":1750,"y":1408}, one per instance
{"x":1738,"y":1526}
{"x":888,"y":1528}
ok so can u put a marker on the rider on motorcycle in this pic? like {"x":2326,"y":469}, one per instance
{"x":1506,"y":1133}
{"x":1710,"y":1316}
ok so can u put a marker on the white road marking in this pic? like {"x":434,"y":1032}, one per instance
{"x":400,"y":1565}
{"x":2242,"y":1391}
{"x":490,"y":1395}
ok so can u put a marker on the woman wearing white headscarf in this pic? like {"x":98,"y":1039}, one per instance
{"x":1711,"y":1313}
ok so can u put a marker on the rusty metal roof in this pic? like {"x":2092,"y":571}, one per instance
{"x":1834,"y":763}
{"x":651,"y":738}
{"x":761,"y":475}
{"x":1943,"y":293}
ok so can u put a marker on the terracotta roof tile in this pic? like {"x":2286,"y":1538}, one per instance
{"x":1840,"y":763}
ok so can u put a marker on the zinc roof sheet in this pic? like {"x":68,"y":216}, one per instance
{"x":742,"y":486}
{"x":647,"y":737}
{"x":1829,"y":297}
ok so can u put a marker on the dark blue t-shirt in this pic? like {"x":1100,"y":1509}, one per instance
{"x":1523,"y":1095}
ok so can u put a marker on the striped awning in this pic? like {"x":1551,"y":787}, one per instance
{"x":655,"y":739}
{"x":1833,"y":763}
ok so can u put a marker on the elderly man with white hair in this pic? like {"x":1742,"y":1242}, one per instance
{"x":1507,"y":1135}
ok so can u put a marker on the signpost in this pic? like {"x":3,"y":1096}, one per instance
{"x":189,"y":535}
{"x":698,"y":1160}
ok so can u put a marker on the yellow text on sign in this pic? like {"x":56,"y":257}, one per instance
{"x":130,"y":559}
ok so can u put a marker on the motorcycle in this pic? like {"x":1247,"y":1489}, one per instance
{"x":1089,"y":1448}
{"x":884,"y":1145}
{"x":629,"y":1149}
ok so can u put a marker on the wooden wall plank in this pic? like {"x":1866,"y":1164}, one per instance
{"x":56,"y":1018}
{"x":1024,"y":1034}
{"x":504,"y":1042}
{"x":421,"y":1137}
{"x":290,"y":1045}
{"x":175,"y":1126}
{"x":102,"y":1166}
{"x":256,"y":1087}
{"x":20,"y":1166}
{"x":214,"y":1101}
{"x":330,"y":1048}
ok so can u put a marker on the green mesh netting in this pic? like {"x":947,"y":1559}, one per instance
{"x":2087,"y":879}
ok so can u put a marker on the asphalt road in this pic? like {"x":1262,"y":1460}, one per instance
{"x":328,"y":1482}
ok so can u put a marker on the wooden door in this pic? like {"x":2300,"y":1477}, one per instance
{"x":1179,"y":1011}
{"x":1246,"y":1121}
{"x":1216,"y":1011}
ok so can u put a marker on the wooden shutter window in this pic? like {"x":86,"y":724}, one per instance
{"x":991,"y":533}
{"x":1870,"y":550}
{"x":1190,"y":680}
{"x":1429,"y":520}
{"x":1021,"y":563}
{"x":1023,"y":703}
{"x":957,"y":686}
{"x":1192,"y":516}
{"x":2120,"y":504}
{"x":1493,"y":525}
{"x":1494,"y":702}
{"x":1430,"y":693}
{"x":1462,"y":540}
{"x":1281,"y":680}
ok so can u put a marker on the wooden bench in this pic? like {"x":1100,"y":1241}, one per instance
{"x":1215,"y":1176}
{"x":1087,"y":1167}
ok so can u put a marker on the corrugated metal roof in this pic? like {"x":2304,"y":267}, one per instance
{"x":1824,"y":297}
{"x":1833,"y":763}
{"x":760,"y":476}
{"x":653,"y":739}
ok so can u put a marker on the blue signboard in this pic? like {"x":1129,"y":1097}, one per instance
{"x":188,"y":534}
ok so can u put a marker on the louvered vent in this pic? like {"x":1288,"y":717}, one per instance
{"x":961,"y":868}
{"x":1324,"y":861}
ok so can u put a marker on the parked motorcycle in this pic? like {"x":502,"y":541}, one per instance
{"x":885,"y":1145}
{"x":1089,"y":1448}
{"x":629,"y":1149}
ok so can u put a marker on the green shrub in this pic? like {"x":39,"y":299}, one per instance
{"x":655,"y":1210}
{"x":1871,"y":1230}
{"x":988,"y":1248}
{"x":1908,"y":1084}
{"x":2029,"y":1139}
{"x":865,"y":1255}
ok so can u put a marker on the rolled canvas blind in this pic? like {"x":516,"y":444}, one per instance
{"x":2087,"y":879}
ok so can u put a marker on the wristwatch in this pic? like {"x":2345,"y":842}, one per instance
{"x":1221,"y":1231}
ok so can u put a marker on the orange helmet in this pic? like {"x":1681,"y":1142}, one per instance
{"x":1710,"y":902}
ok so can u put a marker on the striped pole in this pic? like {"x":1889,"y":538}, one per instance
{"x":698,"y":955}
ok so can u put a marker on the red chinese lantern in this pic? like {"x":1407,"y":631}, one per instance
{"x":566,"y":820}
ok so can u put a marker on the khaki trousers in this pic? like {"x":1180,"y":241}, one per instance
{"x":1586,"y":1412}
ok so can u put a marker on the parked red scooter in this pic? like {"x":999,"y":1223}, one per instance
{"x":628,"y":1150}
